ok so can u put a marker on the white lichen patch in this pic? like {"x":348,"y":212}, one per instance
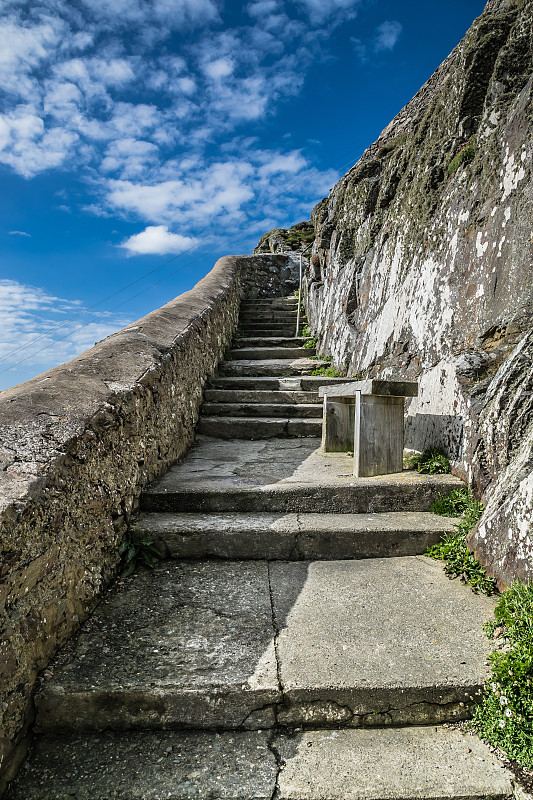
{"x":481,"y":247}
{"x":513,"y":174}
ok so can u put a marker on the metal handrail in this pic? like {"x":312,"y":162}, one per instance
{"x":300,"y":289}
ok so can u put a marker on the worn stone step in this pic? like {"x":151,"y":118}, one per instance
{"x":255,"y":353}
{"x":271,"y":367}
{"x":265,"y":410}
{"x":290,"y":475}
{"x":291,"y":536}
{"x":259,"y":331}
{"x":258,"y":427}
{"x":306,"y":383}
{"x":268,"y":316}
{"x":418,"y":763}
{"x":271,"y":341}
{"x":255,"y":644}
{"x":253,"y":396}
{"x":270,"y":302}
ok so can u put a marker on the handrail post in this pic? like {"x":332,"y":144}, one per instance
{"x":300,"y":289}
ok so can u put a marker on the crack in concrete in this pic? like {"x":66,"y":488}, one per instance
{"x":276,"y":632}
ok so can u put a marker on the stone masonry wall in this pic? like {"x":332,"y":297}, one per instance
{"x":77,"y":446}
{"x":425,"y":270}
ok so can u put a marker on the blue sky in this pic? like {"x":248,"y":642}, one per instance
{"x":135,"y":131}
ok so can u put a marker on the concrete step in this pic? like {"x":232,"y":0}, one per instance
{"x":271,"y":367}
{"x":265,"y":410}
{"x":258,"y":427}
{"x":291,"y":536}
{"x":271,"y":341}
{"x":254,"y":353}
{"x":270,"y":302}
{"x":268,"y":316}
{"x":255,"y":645}
{"x":418,"y":763}
{"x":260,"y":331}
{"x":307,"y":383}
{"x":289,"y":475}
{"x":253,"y":396}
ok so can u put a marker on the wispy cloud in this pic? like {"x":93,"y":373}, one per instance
{"x":39,"y":328}
{"x":19,"y":233}
{"x":387,"y":34}
{"x":384,"y":39}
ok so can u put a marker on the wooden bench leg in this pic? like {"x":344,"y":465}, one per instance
{"x":338,"y":424}
{"x":378,"y":441}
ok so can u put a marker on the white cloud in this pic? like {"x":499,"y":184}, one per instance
{"x":157,"y":240}
{"x":220,"y":68}
{"x":387,"y":34}
{"x":19,"y":233}
{"x":320,"y":10}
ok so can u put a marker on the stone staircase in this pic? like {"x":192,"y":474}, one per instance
{"x":294,"y":644}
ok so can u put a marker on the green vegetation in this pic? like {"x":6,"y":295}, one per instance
{"x":460,"y":561}
{"x":306,"y":331}
{"x":504,"y":716}
{"x":390,"y":146}
{"x":328,"y":372}
{"x":303,"y":233}
{"x":433,"y":461}
{"x":132,"y":553}
{"x":311,"y":343}
{"x":464,"y":154}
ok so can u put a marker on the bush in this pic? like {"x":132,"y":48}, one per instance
{"x":504,"y":717}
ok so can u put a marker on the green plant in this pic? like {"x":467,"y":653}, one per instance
{"x":328,"y":372}
{"x":464,"y":154}
{"x":504,"y":716}
{"x":310,"y":344}
{"x":240,"y":333}
{"x":454,"y":504}
{"x":320,"y":358}
{"x":135,"y":552}
{"x":306,"y":331}
{"x":460,"y":561}
{"x":433,"y":461}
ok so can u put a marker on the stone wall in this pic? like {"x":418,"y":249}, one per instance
{"x":77,"y":446}
{"x":423,"y":266}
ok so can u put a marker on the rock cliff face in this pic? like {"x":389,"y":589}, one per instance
{"x":422,"y":266}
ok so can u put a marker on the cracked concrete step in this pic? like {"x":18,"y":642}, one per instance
{"x":258,"y":409}
{"x":291,"y":536}
{"x":418,"y":763}
{"x":271,"y":341}
{"x":258,"y":428}
{"x":307,"y":383}
{"x":251,"y":353}
{"x":290,"y":475}
{"x":253,"y":644}
{"x":271,"y":367}
{"x":259,"y":396}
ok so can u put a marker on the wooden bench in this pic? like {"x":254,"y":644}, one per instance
{"x":367,"y":416}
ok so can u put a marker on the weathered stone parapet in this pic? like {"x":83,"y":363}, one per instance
{"x":77,"y":446}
